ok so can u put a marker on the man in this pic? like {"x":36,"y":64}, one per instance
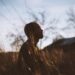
{"x":29,"y":51}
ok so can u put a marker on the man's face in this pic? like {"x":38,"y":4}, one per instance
{"x":40,"y":33}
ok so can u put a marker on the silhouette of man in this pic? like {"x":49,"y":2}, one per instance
{"x":29,"y":51}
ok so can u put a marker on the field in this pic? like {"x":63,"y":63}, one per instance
{"x":8,"y":63}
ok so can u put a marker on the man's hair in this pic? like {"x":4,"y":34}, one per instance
{"x":32,"y":28}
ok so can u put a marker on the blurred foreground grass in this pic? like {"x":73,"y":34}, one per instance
{"x":8,"y":63}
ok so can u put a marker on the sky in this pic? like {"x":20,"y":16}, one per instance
{"x":14,"y":14}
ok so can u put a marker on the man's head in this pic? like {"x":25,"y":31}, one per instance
{"x":33,"y":29}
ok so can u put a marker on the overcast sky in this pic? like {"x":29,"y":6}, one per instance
{"x":13,"y":14}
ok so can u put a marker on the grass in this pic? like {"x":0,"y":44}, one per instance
{"x":7,"y":60}
{"x":64,"y":63}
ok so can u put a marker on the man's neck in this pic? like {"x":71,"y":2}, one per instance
{"x":32,"y":42}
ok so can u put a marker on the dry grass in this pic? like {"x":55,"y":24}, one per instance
{"x":63,"y":62}
{"x":7,"y":60}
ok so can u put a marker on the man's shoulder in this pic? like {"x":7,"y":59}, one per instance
{"x":24,"y":46}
